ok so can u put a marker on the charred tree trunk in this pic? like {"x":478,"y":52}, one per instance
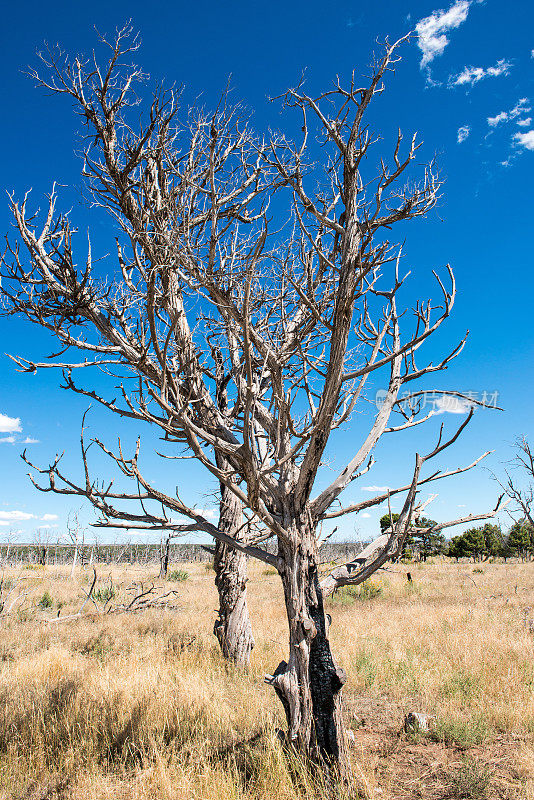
{"x":165,"y":549}
{"x":232,"y":628}
{"x":309,"y":684}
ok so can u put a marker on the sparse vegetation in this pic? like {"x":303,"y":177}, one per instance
{"x":143,"y":705}
{"x":471,"y":780}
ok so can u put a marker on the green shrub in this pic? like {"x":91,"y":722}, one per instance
{"x":105,"y":594}
{"x":178,"y":575}
{"x":46,"y":601}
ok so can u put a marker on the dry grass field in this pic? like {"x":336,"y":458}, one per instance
{"x":140,"y":705}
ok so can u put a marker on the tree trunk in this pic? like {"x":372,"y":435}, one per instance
{"x":232,"y":628}
{"x":164,"y":557}
{"x":309,"y":684}
{"x":74,"y":560}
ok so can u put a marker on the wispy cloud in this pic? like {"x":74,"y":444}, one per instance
{"x":9,"y":424}
{"x":8,"y":440}
{"x":525,"y":140}
{"x":30,"y":440}
{"x":463,"y":133}
{"x":432,"y":30}
{"x":524,"y":123}
{"x":471,"y":75}
{"x":49,"y":517}
{"x":375,"y":488}
{"x":518,"y":110}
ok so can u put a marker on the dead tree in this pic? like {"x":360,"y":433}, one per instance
{"x":519,"y":486}
{"x":164,"y":553}
{"x":76,"y":536}
{"x":291,"y":306}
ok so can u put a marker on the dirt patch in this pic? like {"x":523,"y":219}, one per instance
{"x":407,"y":768}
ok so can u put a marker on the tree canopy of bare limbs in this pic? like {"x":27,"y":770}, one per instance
{"x":519,"y":483}
{"x":256,"y":291}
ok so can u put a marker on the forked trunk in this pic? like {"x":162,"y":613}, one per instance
{"x":309,"y":684}
{"x":232,"y":628}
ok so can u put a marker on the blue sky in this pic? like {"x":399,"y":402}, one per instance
{"x":466,"y":83}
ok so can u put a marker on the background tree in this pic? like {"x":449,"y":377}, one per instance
{"x":421,"y":539}
{"x":478,"y":543}
{"x":493,"y":540}
{"x":291,"y":314}
{"x":456,"y":548}
{"x":521,"y":539}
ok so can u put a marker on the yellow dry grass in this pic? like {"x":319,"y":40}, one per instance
{"x":142,"y":706}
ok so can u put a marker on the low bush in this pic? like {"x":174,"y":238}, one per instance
{"x":178,"y":575}
{"x":46,"y":601}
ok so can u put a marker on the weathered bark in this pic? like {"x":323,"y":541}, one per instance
{"x":233,"y":627}
{"x":165,"y":548}
{"x":309,"y":684}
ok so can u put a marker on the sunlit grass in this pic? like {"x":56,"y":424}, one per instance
{"x":143,"y":706}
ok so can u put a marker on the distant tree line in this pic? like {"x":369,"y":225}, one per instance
{"x":480,"y":544}
{"x":136,"y":552}
{"x":489,"y":541}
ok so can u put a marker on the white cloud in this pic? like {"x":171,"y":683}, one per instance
{"x":520,"y":108}
{"x":9,"y":424}
{"x":207,"y":513}
{"x":375,"y":488}
{"x":30,"y":440}
{"x":49,"y":517}
{"x":524,"y":123}
{"x":449,"y":404}
{"x":471,"y":75}
{"x":463,"y":133}
{"x":15,"y":515}
{"x":366,"y":515}
{"x":431,"y":38}
{"x":494,"y":121}
{"x":8,"y":439}
{"x":3,"y":522}
{"x":525,"y":139}
{"x":47,"y":527}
